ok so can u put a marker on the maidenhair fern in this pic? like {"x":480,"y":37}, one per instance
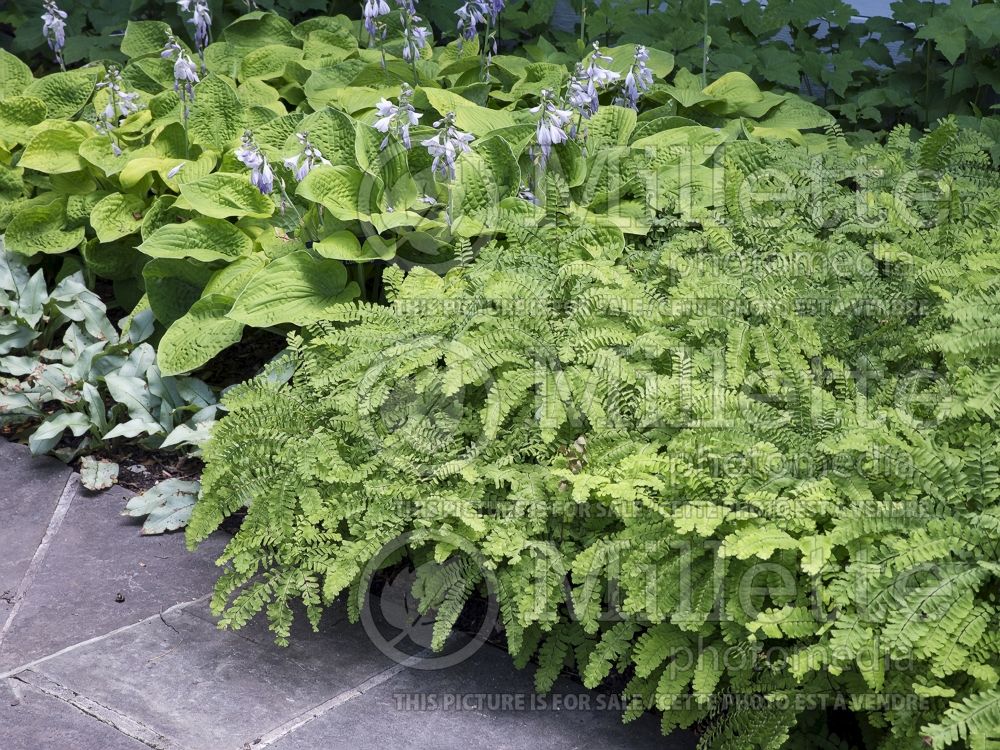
{"x":750,"y":462}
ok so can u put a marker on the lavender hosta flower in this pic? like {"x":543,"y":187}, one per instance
{"x":446,"y":146}
{"x":470,"y":15}
{"x":185,"y":73}
{"x":414,"y":39}
{"x":120,"y":105}
{"x":373,"y":10}
{"x":261,"y":175}
{"x":302,"y":163}
{"x":638,"y":80}
{"x":54,"y":29}
{"x":397,"y":119}
{"x":552,"y":128}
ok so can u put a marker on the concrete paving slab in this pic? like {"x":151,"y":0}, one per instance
{"x":29,"y":491}
{"x":484,"y":703}
{"x":207,"y":689}
{"x":97,"y":555}
{"x":32,"y":720}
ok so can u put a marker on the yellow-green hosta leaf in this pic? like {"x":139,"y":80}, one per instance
{"x":198,"y":335}
{"x":347,"y":192}
{"x":217,"y":116}
{"x":117,"y":215}
{"x":64,"y":94}
{"x":343,"y":245}
{"x":117,"y":261}
{"x":205,"y":239}
{"x":484,"y":176}
{"x":659,"y":62}
{"x":15,"y":76}
{"x":332,"y":132}
{"x":97,"y":150}
{"x":470,"y":117}
{"x":297,"y":288}
{"x":610,"y":126}
{"x":735,"y":89}
{"x":144,"y":38}
{"x":257,"y":28}
{"x":173,"y":285}
{"x":17,"y":115}
{"x":40,"y":228}
{"x":54,"y":147}
{"x":693,"y":144}
{"x":268,"y":61}
{"x":222,"y":195}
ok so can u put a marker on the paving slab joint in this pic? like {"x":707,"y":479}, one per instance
{"x":118,"y":721}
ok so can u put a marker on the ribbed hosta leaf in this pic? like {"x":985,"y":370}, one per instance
{"x":64,"y":94}
{"x":297,"y":288}
{"x":222,"y":195}
{"x":117,"y":215}
{"x":198,"y":335}
{"x":40,"y":229}
{"x":15,"y":76}
{"x":55,"y":148}
{"x":203,"y":238}
{"x":217,"y":116}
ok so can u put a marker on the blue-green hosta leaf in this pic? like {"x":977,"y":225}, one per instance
{"x":347,"y":192}
{"x":15,"y":76}
{"x":217,"y":116}
{"x":168,"y":506}
{"x":144,"y":38}
{"x":54,"y":147}
{"x":17,"y":115}
{"x":117,"y":215}
{"x":173,"y":285}
{"x":222,"y":195}
{"x":96,"y":474}
{"x":205,"y":239}
{"x":39,"y":228}
{"x":64,"y":94}
{"x":199,"y":335}
{"x":297,"y":288}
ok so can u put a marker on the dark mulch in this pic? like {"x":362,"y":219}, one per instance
{"x":139,"y":468}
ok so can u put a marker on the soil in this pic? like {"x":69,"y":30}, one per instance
{"x":140,"y":469}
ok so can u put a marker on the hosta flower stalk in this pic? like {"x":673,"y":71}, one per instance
{"x":201,"y":19}
{"x":470,"y":15}
{"x":308,"y":157}
{"x":396,"y":119}
{"x":54,"y":29}
{"x":415,"y":34}
{"x":250,"y":155}
{"x":637,"y":81}
{"x":373,"y":11}
{"x":446,"y":146}
{"x":120,"y":105}
{"x":185,"y":75}
{"x":552,"y":128}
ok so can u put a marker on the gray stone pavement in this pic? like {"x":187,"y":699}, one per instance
{"x":107,"y":643}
